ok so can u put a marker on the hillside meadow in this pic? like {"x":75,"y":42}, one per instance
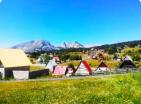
{"x":95,"y":63}
{"x":120,"y":89}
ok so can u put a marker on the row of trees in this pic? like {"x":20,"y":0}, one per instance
{"x":59,"y":52}
{"x":44,"y":58}
{"x":122,"y":45}
{"x":70,"y":57}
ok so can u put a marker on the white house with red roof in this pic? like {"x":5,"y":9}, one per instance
{"x":83,"y":68}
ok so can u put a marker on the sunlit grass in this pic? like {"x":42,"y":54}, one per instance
{"x":121,"y":89}
{"x":34,"y":68}
{"x":94,"y":63}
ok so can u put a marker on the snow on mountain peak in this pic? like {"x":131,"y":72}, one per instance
{"x":72,"y":45}
{"x":43,"y":45}
{"x":34,"y":46}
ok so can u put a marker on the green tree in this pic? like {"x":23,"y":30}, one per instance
{"x":136,"y":57}
{"x":139,"y":50}
{"x":115,"y":56}
{"x":44,"y":58}
{"x":65,"y":57}
{"x":112,"y":50}
{"x":75,"y":57}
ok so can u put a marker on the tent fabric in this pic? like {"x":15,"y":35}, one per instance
{"x":56,"y":58}
{"x":51,"y":64}
{"x":60,"y":70}
{"x":83,"y":68}
{"x":127,"y":64}
{"x":69,"y":72}
{"x":102,"y":64}
{"x":70,"y":67}
{"x":13,"y":58}
{"x":127,"y":58}
{"x":87,"y":66}
{"x":102,"y":67}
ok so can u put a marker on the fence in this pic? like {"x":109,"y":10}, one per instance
{"x":117,"y":71}
{"x":37,"y":73}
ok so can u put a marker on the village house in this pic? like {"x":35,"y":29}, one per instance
{"x":127,"y":63}
{"x":102,"y":67}
{"x":14,"y":63}
{"x":83,"y":68}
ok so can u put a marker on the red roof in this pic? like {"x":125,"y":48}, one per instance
{"x":87,"y":66}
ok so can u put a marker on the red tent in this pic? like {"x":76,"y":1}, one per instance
{"x":83,"y":68}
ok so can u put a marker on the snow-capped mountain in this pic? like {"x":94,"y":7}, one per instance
{"x":43,"y":45}
{"x":72,"y":45}
{"x":34,"y":46}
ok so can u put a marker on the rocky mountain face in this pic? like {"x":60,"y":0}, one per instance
{"x":43,"y":45}
{"x":34,"y":46}
{"x":72,"y":45}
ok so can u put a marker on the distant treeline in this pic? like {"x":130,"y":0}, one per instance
{"x":121,"y":45}
{"x":110,"y":48}
{"x":62,"y":52}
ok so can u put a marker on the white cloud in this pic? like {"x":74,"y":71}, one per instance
{"x":139,"y":0}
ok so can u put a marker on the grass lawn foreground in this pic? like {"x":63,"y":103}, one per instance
{"x":121,"y":89}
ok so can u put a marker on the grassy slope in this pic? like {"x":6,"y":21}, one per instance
{"x":95,"y":63}
{"x":116,"y":90}
{"x":34,"y":68}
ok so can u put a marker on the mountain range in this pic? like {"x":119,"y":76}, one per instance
{"x":120,"y":44}
{"x":43,"y":45}
{"x":72,"y":45}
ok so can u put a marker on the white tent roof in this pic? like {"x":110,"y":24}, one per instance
{"x":128,"y":58}
{"x":51,"y":65}
{"x":83,"y":69}
{"x":13,"y":58}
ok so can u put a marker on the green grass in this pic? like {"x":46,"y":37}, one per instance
{"x":121,"y":89}
{"x":95,"y":63}
{"x":34,"y":68}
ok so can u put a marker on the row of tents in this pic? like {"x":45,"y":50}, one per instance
{"x":84,"y":68}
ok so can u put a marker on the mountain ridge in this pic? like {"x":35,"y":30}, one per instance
{"x":44,"y":45}
{"x":74,"y":44}
{"x":120,"y":44}
{"x":34,"y":46}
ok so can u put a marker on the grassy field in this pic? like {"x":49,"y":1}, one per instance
{"x":113,"y":90}
{"x":34,"y":68}
{"x":95,"y":63}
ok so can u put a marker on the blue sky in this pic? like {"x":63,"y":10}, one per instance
{"x":87,"y":21}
